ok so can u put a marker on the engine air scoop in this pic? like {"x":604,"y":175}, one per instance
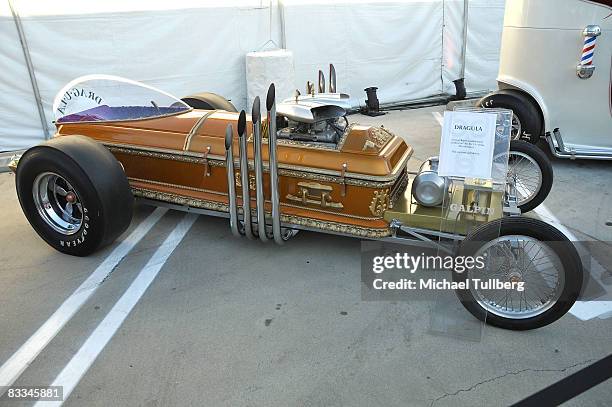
{"x":309,"y":112}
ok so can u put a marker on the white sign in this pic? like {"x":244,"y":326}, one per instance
{"x":466,"y":148}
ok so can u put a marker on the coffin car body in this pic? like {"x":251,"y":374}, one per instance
{"x":176,"y":154}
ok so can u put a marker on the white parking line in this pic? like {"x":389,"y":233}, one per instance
{"x":583,"y":310}
{"x":99,"y":338}
{"x":25,"y":355}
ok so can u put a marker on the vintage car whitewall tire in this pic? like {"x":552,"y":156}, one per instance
{"x":527,"y":122}
{"x":531,"y":171}
{"x":74,"y":193}
{"x":558,"y":287}
{"x":209,"y":101}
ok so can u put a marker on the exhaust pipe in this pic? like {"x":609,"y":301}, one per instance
{"x":332,"y":79}
{"x":273,"y":164}
{"x":310,"y":88}
{"x":321,"y":82}
{"x":244,"y":177}
{"x":231,"y":180}
{"x":258,"y":160}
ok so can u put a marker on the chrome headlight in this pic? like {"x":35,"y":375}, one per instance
{"x":428,"y":188}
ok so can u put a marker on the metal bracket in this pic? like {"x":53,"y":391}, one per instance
{"x":206,"y":166}
{"x":342,"y":181}
{"x":585,"y":71}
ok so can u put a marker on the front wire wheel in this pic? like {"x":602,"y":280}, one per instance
{"x":516,"y":132}
{"x":519,"y":259}
{"x":520,"y":250}
{"x":531,"y":173}
{"x":526,"y":175}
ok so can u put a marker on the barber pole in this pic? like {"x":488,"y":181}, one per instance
{"x":585,"y":67}
{"x":588,"y":50}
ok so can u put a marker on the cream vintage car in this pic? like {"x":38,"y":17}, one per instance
{"x":555,"y":73}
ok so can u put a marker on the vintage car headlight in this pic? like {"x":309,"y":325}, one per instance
{"x":428,"y":188}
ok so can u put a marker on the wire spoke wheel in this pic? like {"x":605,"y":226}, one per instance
{"x":57,"y":203}
{"x":526,"y":175}
{"x":531,"y":277}
{"x":519,"y":259}
{"x":516,"y":131}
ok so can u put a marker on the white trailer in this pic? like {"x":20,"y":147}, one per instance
{"x":556,"y":74}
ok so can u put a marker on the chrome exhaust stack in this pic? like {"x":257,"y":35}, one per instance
{"x":231,"y":180}
{"x":332,"y":79}
{"x":258,"y":161}
{"x":244,"y":177}
{"x":273,"y":165}
{"x":321,"y":82}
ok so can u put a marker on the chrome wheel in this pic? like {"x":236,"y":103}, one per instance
{"x":58,"y":203}
{"x":518,"y":258}
{"x":525,"y":174}
{"x":517,"y":129}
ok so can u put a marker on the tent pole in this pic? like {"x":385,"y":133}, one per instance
{"x":28,"y":60}
{"x":466,"y":4}
{"x":281,"y":15}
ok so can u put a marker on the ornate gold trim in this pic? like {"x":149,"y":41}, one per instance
{"x":334,"y":179}
{"x":357,"y":231}
{"x":351,"y":178}
{"x":379,"y":136}
{"x":169,"y":185}
{"x":166,"y":184}
{"x":398,"y":189}
{"x":238,"y":181}
{"x":163,"y":154}
{"x":334,"y":227}
{"x":331,"y":213}
{"x":288,"y":171}
{"x":313,"y":193}
{"x":380,"y":202}
{"x":180,"y":200}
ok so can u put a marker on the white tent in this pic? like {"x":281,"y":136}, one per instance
{"x":410,"y":49}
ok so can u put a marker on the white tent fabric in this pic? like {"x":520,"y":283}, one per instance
{"x":410,"y":49}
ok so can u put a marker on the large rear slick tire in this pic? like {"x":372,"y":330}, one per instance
{"x":74,"y":193}
{"x":519,"y":249}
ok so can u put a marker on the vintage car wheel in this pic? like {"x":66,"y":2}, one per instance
{"x":209,"y":101}
{"x":526,"y":122}
{"x":521,"y":249}
{"x":74,"y":193}
{"x":531,"y":172}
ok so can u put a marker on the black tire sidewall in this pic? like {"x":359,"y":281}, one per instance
{"x":92,"y":231}
{"x":548,"y":235}
{"x":523,"y":109}
{"x":545,"y":167}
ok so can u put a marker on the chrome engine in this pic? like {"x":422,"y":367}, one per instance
{"x":314,"y":117}
{"x":324,"y":131}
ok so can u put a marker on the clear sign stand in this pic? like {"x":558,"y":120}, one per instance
{"x":470,"y":203}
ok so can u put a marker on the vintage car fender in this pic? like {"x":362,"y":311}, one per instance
{"x":509,"y":82}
